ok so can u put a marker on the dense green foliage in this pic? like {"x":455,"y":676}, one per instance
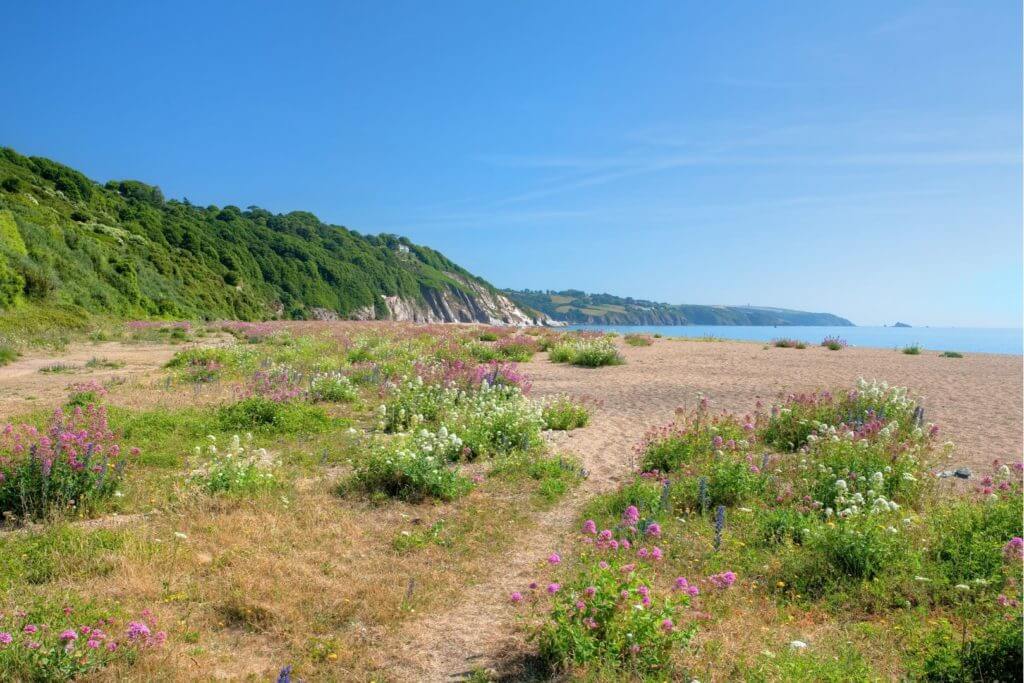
{"x":69,"y":244}
{"x":574,"y":306}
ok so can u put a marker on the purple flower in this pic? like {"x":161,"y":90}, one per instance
{"x":590,"y":591}
{"x":590,"y":527}
{"x":69,"y":635}
{"x":5,"y":638}
{"x":630,"y":516}
{"x":516,"y":597}
{"x":667,"y":625}
{"x":92,"y":643}
{"x":30,"y":628}
{"x":1014,"y":548}
{"x":654,"y":529}
{"x":723,"y":580}
{"x":137,"y":629}
{"x":553,"y":588}
{"x":554,"y":558}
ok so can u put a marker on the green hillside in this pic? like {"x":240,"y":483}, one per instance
{"x":70,"y":245}
{"x":574,"y":306}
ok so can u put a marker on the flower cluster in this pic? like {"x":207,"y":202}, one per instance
{"x":237,"y":468}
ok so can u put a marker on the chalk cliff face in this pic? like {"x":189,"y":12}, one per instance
{"x":470,"y":303}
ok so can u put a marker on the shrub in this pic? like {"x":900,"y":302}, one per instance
{"x":8,"y":354}
{"x":555,"y":474}
{"x":606,"y":615}
{"x":728,"y":481}
{"x":237,"y":469}
{"x":75,"y":464}
{"x":991,"y":653}
{"x":786,"y":343}
{"x":692,"y":440}
{"x":834,"y":343}
{"x":57,"y":369}
{"x":638,"y":340}
{"x":642,"y":494}
{"x":487,"y":336}
{"x":259,"y":413}
{"x":104,"y":363}
{"x":967,"y":538}
{"x":411,"y":468}
{"x":496,"y":420}
{"x":564,"y":413}
{"x":332,"y":387}
{"x":951,"y":354}
{"x":590,"y":353}
{"x":912,"y":350}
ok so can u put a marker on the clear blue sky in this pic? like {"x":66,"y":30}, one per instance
{"x":862,"y":158}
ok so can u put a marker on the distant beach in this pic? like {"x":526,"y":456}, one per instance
{"x":1006,"y":340}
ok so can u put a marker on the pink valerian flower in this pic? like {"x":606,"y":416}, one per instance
{"x":138,"y":630}
{"x":516,"y":597}
{"x":682,"y":585}
{"x":590,"y":591}
{"x":634,"y":649}
{"x":590,"y":527}
{"x":643,"y":553}
{"x":30,"y":628}
{"x":111,"y":646}
{"x":653,"y":529}
{"x":656,"y":553}
{"x":5,"y":638}
{"x":581,"y":606}
{"x":667,"y":625}
{"x":554,"y":588}
{"x":554,"y":558}
{"x":1014,"y":549}
{"x":69,"y":635}
{"x":723,"y":580}
{"x":92,"y":643}
{"x":630,"y":516}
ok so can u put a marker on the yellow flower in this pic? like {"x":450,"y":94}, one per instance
{"x":332,"y":656}
{"x":781,"y":584}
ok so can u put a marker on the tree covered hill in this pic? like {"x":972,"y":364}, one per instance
{"x":122,"y":249}
{"x":574,"y":306}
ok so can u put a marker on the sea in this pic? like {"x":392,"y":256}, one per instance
{"x":1006,"y":340}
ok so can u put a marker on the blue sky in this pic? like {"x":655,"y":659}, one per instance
{"x":859,"y":158}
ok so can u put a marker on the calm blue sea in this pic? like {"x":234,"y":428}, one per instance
{"x":964,"y":339}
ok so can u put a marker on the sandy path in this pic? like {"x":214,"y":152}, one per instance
{"x":23,"y":387}
{"x":977,"y":400}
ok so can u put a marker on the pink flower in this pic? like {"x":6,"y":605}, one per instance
{"x":654,"y":529}
{"x":553,"y":588}
{"x":92,"y":644}
{"x":1014,"y":548}
{"x":111,"y":646}
{"x":642,"y":553}
{"x":667,"y":625}
{"x":554,"y":558}
{"x":581,"y":606}
{"x":5,"y":638}
{"x":603,"y":565}
{"x":516,"y":597}
{"x":656,"y":553}
{"x":69,"y":634}
{"x":590,"y":591}
{"x":590,"y":527}
{"x":630,"y":516}
{"x":723,"y":580}
{"x":137,"y":630}
{"x":634,"y":648}
{"x":30,"y":628}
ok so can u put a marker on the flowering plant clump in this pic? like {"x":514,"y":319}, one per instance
{"x":870,"y":406}
{"x":563,"y":412}
{"x":834,"y":343}
{"x":279,"y":384}
{"x":412,"y":467}
{"x":586,"y":352}
{"x":40,"y":651}
{"x":693,"y":439}
{"x":606,"y":610}
{"x":237,"y":468}
{"x":332,"y":387}
{"x":76,"y":462}
{"x":251,"y":332}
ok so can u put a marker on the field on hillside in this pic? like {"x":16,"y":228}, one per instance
{"x":390,"y":502}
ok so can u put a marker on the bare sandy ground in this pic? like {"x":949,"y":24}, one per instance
{"x":976,"y":400}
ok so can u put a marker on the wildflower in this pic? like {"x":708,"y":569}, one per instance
{"x":111,"y":646}
{"x":590,"y":591}
{"x":590,"y":527}
{"x":5,"y":638}
{"x":554,"y":558}
{"x":603,"y":565}
{"x":634,"y":648}
{"x":533,"y":585}
{"x":137,"y":630}
{"x":30,"y":628}
{"x":962,"y":587}
{"x":553,"y":588}
{"x":653,"y":529}
{"x":656,"y":553}
{"x":1014,"y":548}
{"x":723,"y":580}
{"x":181,"y":535}
{"x":516,"y":597}
{"x":69,"y":635}
{"x":581,"y":606}
{"x":667,"y":625}
{"x":92,"y":643}
{"x":630,"y":516}
{"x":798,"y":645}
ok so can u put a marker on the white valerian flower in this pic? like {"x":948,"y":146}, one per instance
{"x":962,"y":587}
{"x":841,"y":485}
{"x":798,"y":645}
{"x":181,"y":535}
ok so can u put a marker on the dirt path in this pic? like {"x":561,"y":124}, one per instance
{"x":976,"y":399}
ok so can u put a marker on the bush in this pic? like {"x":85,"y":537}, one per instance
{"x":991,"y":653}
{"x":332,"y":387}
{"x":786,"y":343}
{"x":951,"y":354}
{"x":589,"y":353}
{"x":411,"y":468}
{"x":237,"y":469}
{"x":73,"y":466}
{"x":967,"y":538}
{"x":259,"y":413}
{"x":912,"y":350}
{"x":606,"y":617}
{"x":638,"y":340}
{"x":693,"y":440}
{"x":834,"y":343}
{"x":8,"y":354}
{"x":564,"y":413}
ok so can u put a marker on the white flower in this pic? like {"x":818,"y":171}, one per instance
{"x":798,"y":645}
{"x":179,"y":534}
